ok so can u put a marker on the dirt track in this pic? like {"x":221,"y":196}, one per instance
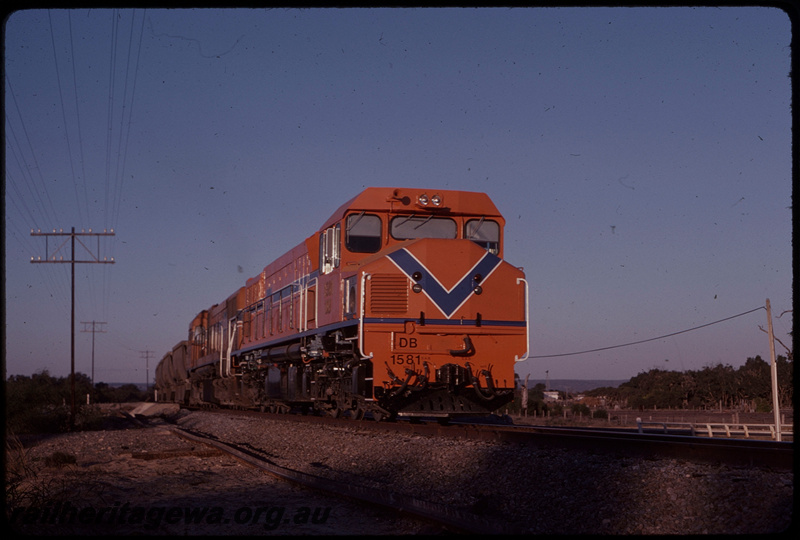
{"x":127,"y":481}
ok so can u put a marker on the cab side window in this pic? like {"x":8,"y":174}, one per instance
{"x":363,"y":233}
{"x":485,"y":233}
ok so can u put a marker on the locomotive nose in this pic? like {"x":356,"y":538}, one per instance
{"x":451,"y":274}
{"x":443,"y":322}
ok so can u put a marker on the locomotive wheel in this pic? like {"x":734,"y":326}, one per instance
{"x":358,"y":414}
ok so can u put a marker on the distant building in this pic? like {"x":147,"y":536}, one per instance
{"x":551,"y":396}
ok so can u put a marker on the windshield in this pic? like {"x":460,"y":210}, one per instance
{"x":413,"y":226}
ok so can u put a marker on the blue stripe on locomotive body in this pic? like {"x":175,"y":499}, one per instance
{"x":448,"y":301}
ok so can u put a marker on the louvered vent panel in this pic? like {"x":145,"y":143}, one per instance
{"x":389,"y":293}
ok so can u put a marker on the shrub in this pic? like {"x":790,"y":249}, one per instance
{"x":581,"y":408}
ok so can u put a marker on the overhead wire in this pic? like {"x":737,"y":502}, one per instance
{"x":110,"y":110}
{"x":649,"y":339}
{"x":64,"y":117}
{"x":87,"y":270}
{"x":115,"y":182}
{"x":78,"y":116}
{"x":56,"y":282}
{"x":44,"y":214}
{"x":124,"y":149}
{"x":44,"y":199}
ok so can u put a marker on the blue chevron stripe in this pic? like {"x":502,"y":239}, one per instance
{"x":448,"y":301}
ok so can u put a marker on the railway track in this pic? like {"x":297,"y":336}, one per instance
{"x":451,"y":519}
{"x":738,"y":452}
{"x":626,"y":442}
{"x":546,"y":482}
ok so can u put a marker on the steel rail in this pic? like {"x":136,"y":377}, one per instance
{"x":625,"y":442}
{"x":451,"y":518}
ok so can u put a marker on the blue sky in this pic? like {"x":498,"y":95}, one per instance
{"x":641,"y":157}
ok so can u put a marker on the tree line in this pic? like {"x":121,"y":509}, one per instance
{"x":747,"y":388}
{"x":42,"y":403}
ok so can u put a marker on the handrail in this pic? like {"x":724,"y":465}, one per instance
{"x":301,"y":318}
{"x":225,"y":363}
{"x":527,"y":324}
{"x":364,"y":278}
{"x":303,"y":323}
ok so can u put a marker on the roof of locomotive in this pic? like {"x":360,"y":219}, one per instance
{"x":395,"y":200}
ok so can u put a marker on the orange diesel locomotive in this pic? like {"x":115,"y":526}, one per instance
{"x":401,"y":304}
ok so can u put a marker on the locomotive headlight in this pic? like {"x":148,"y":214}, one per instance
{"x":423,"y":200}
{"x":478,"y":289}
{"x":417,"y":288}
{"x":436,"y":200}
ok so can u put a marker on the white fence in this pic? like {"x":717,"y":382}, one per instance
{"x":732,"y":431}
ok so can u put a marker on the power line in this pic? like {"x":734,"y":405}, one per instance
{"x":55,"y":258}
{"x":64,"y":116}
{"x":78,"y":115}
{"x":43,"y":193}
{"x":146,"y":355}
{"x":94,"y":330}
{"x":651,"y":339}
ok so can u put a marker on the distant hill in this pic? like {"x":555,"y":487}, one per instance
{"x":576,"y":385}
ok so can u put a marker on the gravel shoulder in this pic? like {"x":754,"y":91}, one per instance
{"x":542,"y":491}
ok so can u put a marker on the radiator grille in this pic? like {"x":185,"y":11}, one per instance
{"x":389,"y":293}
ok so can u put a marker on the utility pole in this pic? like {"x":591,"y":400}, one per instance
{"x":774,"y":373}
{"x":146,"y":355}
{"x":57,"y":258}
{"x":94,"y":330}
